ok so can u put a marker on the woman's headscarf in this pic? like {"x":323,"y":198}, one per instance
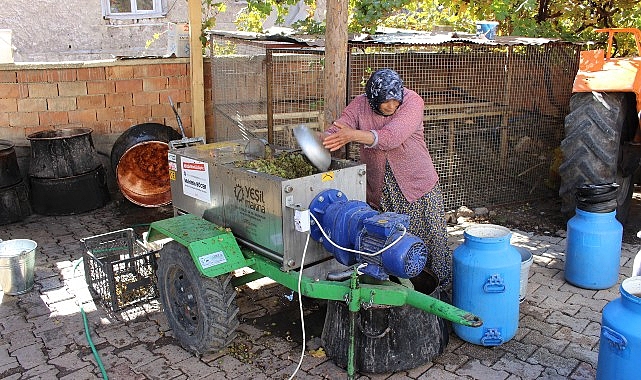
{"x":383,"y":85}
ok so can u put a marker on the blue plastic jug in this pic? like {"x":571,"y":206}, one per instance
{"x":486,"y":282}
{"x":593,"y":251}
{"x":620,"y":342}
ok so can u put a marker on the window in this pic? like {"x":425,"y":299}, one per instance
{"x":133,"y":8}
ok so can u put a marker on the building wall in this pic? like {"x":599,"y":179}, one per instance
{"x":75,"y":30}
{"x":109,"y":97}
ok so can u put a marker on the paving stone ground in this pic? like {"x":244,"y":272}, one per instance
{"x":42,"y":332}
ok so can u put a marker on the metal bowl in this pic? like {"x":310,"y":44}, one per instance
{"x":312,"y":147}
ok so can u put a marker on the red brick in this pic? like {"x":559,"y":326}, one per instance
{"x":141,"y":98}
{"x":110,"y":113}
{"x":14,"y":134}
{"x":72,"y":88}
{"x":177,"y":95}
{"x":8,"y":76}
{"x":154,"y":84}
{"x":43,"y":90}
{"x":179,"y":82}
{"x":61,"y":104}
{"x":122,"y":125}
{"x":23,"y":119}
{"x":173,"y":69}
{"x":90,"y":102}
{"x":101,"y":87}
{"x":100,"y":127}
{"x":82,"y":116}
{"x":4,"y":120}
{"x":8,"y":105}
{"x":146,"y":71}
{"x":32,"y":105}
{"x":112,"y":100}
{"x":129,"y":85}
{"x":10,"y":90}
{"x":138,"y":112}
{"x":32,"y":76}
{"x":61,"y":75}
{"x":53,"y":118}
{"x":91,"y":73}
{"x":119,"y":72}
{"x":162,"y":110}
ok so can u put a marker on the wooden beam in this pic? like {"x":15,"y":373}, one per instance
{"x":335,"y":81}
{"x":196,"y":70}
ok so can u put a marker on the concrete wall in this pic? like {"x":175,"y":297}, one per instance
{"x":75,"y":30}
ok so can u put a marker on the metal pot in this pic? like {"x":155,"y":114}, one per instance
{"x":9,"y":170}
{"x":62,"y":153}
{"x":139,"y":159}
{"x":70,"y":195}
{"x":14,"y":203}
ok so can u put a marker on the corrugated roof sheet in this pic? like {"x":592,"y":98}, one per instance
{"x":392,"y":38}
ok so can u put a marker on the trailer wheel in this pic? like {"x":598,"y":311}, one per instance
{"x":201,"y":311}
{"x":595,"y":129}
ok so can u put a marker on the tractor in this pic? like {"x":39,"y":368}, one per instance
{"x":602,"y":129}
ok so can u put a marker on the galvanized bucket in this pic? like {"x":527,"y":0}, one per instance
{"x":17,"y":261}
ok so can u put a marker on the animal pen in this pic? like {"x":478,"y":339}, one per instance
{"x":494,"y":110}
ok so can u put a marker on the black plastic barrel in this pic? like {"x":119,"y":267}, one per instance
{"x":65,"y":172}
{"x":139,"y":161}
{"x":388,"y":339}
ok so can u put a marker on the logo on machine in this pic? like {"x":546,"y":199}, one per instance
{"x":250,"y":197}
{"x":194,"y":166}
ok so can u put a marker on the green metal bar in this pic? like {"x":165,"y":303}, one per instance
{"x":354,"y":306}
{"x":387,"y":293}
{"x":246,"y":279}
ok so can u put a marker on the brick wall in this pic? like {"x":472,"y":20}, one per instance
{"x":108,"y":97}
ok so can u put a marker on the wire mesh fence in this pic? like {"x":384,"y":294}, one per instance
{"x":263,"y":89}
{"x":493,"y":118}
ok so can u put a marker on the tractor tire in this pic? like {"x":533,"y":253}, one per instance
{"x":595,"y":130}
{"x":201,"y":311}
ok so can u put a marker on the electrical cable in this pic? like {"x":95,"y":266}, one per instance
{"x":88,"y":335}
{"x":300,"y":306}
{"x":403,"y":229}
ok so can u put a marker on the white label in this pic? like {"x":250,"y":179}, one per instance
{"x":195,"y":175}
{"x":212,"y":259}
{"x":171,"y":157}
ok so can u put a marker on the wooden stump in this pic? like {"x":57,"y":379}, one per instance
{"x":388,"y":339}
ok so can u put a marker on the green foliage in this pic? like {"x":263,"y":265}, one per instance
{"x":573,"y":20}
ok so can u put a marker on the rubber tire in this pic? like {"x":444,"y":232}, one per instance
{"x":201,"y":311}
{"x":592,"y":146}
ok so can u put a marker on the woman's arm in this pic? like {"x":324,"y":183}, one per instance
{"x":344,"y":134}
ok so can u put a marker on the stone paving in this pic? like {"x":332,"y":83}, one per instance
{"x":42,"y":334}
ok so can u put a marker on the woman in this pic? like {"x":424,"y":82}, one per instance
{"x":388,"y":123}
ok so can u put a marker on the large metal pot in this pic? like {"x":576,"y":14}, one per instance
{"x":62,"y":153}
{"x":70,"y":195}
{"x":14,"y":203}
{"x":9,"y":170}
{"x":139,"y":160}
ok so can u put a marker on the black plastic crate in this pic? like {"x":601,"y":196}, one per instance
{"x":119,"y":270}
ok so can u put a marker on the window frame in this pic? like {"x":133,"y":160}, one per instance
{"x":159,"y":10}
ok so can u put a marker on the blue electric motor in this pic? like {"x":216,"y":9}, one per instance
{"x":365,"y":236}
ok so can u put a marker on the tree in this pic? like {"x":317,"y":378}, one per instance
{"x":572,"y":20}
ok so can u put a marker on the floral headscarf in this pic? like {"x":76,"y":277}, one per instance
{"x":383,"y":85}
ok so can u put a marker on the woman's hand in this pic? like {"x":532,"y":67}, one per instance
{"x":344,"y":135}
